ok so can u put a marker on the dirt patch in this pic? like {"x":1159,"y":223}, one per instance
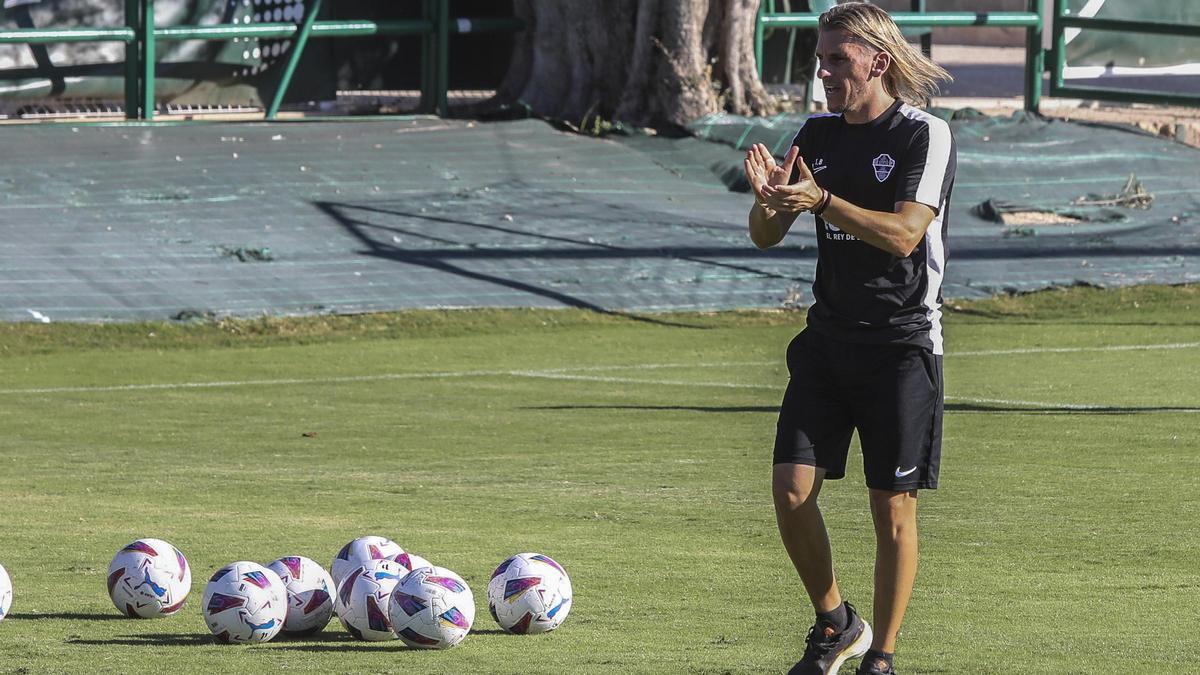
{"x":1037,"y":218}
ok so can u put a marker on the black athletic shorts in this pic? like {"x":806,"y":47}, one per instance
{"x":892,"y":394}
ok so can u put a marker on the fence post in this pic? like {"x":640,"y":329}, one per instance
{"x":1035,"y":60}
{"x":442,"y":26}
{"x":427,"y":60}
{"x":435,"y":57}
{"x":1058,"y":47}
{"x":133,"y":16}
{"x":148,"y":59}
{"x":926,"y":37}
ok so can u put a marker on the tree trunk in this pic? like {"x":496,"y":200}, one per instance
{"x":650,"y":63}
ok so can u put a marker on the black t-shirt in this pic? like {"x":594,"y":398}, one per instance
{"x":862,"y":293}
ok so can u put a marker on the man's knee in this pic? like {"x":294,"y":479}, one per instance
{"x":894,"y":513}
{"x":795,"y":486}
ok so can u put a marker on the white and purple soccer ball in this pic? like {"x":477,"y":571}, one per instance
{"x":529,"y":593}
{"x":309,"y":594}
{"x":358,"y":552}
{"x":149,"y":578}
{"x":432,"y":608}
{"x":245,"y":602}
{"x":363,"y":596}
{"x":411,"y":561}
{"x":6,"y":593}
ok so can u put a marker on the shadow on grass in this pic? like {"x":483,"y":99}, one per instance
{"x":340,"y":646}
{"x":70,"y":616}
{"x":950,"y":407}
{"x":1074,"y":322}
{"x":320,"y":642}
{"x":340,"y":642}
{"x":1066,"y":410}
{"x":150,"y":639}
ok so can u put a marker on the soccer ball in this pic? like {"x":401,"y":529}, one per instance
{"x":411,"y":561}
{"x":529,"y":593}
{"x":432,"y":608}
{"x":149,"y":578}
{"x":356,"y":553}
{"x":245,"y":602}
{"x":362,"y":603}
{"x":309,"y":594}
{"x":5,"y":593}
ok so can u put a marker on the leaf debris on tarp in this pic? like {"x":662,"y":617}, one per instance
{"x":1133,"y":196}
{"x":247,"y":254}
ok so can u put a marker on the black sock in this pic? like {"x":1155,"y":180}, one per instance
{"x":839,"y":618}
{"x":876,"y":655}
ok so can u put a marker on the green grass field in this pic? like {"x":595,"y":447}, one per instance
{"x":635,"y":451}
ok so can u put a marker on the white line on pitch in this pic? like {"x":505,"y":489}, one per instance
{"x":251,"y":383}
{"x":559,"y":373}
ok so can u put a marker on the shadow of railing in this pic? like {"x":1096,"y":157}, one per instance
{"x":444,"y":253}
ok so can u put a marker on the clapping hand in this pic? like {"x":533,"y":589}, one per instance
{"x":770,"y":181}
{"x":763,"y":172}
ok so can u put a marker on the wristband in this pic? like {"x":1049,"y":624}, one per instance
{"x":820,"y":207}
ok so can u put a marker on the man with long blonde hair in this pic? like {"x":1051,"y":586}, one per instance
{"x":876,"y":172}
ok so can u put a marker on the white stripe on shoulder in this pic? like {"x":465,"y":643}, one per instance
{"x":935,"y":272}
{"x":929,"y":190}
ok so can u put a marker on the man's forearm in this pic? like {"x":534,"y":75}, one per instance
{"x":768,"y":227}
{"x":896,"y":233}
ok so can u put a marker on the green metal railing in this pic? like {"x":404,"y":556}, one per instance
{"x":43,"y":36}
{"x":141,"y":38}
{"x":1064,"y":20}
{"x":1030,"y":20}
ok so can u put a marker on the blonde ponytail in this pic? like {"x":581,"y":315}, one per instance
{"x":911,"y":77}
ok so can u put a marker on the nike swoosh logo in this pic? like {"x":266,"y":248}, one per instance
{"x":902,"y":474}
{"x":819,"y":169}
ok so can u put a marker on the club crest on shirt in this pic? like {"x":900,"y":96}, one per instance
{"x":883,"y":165}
